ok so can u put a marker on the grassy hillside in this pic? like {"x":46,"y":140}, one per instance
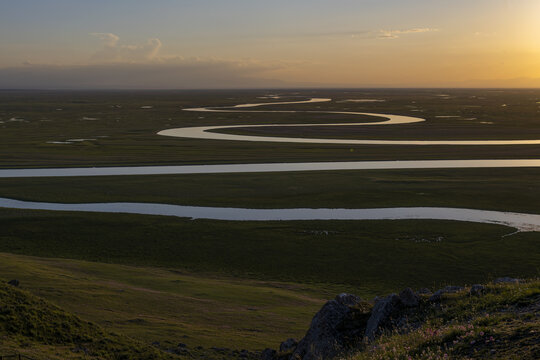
{"x":34,"y":327}
{"x":502,"y":322}
{"x":170,"y":306}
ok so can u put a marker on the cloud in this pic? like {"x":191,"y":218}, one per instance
{"x":139,"y":66}
{"x":367,"y":34}
{"x":395,"y":34}
{"x":109,"y":39}
{"x":175,"y":73}
{"x":114,"y":51}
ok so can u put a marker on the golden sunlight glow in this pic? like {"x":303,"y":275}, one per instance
{"x":450,"y":44}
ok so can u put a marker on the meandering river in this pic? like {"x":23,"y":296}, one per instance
{"x":270,"y":167}
{"x":208,"y":132}
{"x":522,"y":222}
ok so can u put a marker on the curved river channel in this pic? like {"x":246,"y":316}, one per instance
{"x":522,"y":222}
{"x":207,"y":132}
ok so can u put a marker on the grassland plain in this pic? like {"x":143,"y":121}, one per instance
{"x":376,"y":256}
{"x":486,"y":189}
{"x":296,"y":264}
{"x":118,"y":131}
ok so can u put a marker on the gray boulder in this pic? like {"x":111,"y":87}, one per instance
{"x":409,"y":298}
{"x":288,"y":346}
{"x":381,"y":316}
{"x":339,"y":325}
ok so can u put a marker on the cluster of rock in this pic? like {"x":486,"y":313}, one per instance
{"x":347,"y":322}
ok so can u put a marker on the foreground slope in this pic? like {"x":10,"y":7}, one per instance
{"x":32,"y":326}
{"x":500,"y":320}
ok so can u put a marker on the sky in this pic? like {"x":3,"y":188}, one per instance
{"x":193,"y":44}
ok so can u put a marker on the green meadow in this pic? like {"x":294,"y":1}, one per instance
{"x":249,"y":285}
{"x":124,"y":133}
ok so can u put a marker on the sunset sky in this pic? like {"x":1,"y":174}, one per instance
{"x":251,"y":43}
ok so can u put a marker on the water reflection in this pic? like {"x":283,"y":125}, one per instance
{"x":522,"y":222}
{"x":272,"y":167}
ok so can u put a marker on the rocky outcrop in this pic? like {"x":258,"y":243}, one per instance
{"x":409,"y":298}
{"x":348,"y":322}
{"x":338,"y":325}
{"x":288,"y":346}
{"x":383,"y":311}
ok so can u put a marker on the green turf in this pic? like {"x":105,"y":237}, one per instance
{"x":131,"y":131}
{"x":198,"y":276}
{"x":487,"y":189}
{"x":170,"y":306}
{"x":376,"y":256}
{"x":32,"y":326}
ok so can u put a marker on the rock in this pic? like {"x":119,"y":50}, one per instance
{"x":155,"y":343}
{"x":339,"y":324}
{"x":424,"y":291}
{"x":179,"y":351}
{"x":219,"y":349}
{"x":437,"y":296}
{"x":477,"y":289}
{"x":182,"y":345}
{"x":288,"y":346}
{"x":381,"y":315}
{"x":347,"y":299}
{"x":14,"y":282}
{"x":506,"y":280}
{"x":409,"y":298}
{"x":268,"y":354}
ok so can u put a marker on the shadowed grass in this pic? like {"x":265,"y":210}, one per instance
{"x":378,"y":256}
{"x":485,"y":189}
